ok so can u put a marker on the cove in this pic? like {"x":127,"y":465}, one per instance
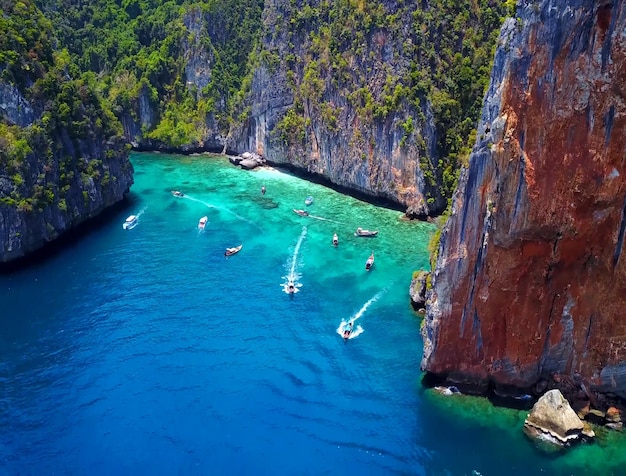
{"x":148,"y":351}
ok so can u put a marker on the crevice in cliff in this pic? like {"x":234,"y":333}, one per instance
{"x":606,"y":12}
{"x":620,"y":236}
{"x":477,"y":267}
{"x":588,"y":334}
{"x":477,"y":335}
{"x":608,"y":124}
{"x":546,"y":344}
{"x":520,"y":187}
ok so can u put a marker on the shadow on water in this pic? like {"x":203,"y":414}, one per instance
{"x":511,"y":398}
{"x":70,"y":237}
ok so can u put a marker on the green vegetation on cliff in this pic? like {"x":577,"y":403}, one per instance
{"x":446,"y":46}
{"x":147,"y":48}
{"x":57,"y":108}
{"x":177,"y":72}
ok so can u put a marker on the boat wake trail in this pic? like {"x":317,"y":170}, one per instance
{"x":210,"y":205}
{"x":326,"y":219}
{"x":206,"y":204}
{"x":357,"y":330}
{"x":141,"y":212}
{"x":293,"y":276}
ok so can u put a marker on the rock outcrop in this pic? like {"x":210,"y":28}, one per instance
{"x":247,"y":160}
{"x":418,"y":291}
{"x":530,"y":279}
{"x":552,"y":419}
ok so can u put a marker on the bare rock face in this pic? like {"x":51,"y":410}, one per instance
{"x":531,"y":277}
{"x":325,"y":134}
{"x":552,"y":419}
{"x":417,"y":291}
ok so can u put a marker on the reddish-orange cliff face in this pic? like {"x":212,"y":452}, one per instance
{"x":531,"y":276}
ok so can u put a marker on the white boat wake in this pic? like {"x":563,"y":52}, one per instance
{"x":357,"y":330}
{"x":293,"y":276}
{"x":141,"y":212}
{"x":326,"y":219}
{"x":210,"y":205}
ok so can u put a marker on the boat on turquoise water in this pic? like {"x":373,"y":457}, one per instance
{"x":302,"y":213}
{"x":308,"y":200}
{"x":130,"y":223}
{"x":347,"y":330}
{"x":335,"y":240}
{"x":366,"y":233}
{"x":202,"y":223}
{"x":232,"y":251}
{"x":291,"y":287}
{"x":176,"y":193}
{"x":370,"y":262}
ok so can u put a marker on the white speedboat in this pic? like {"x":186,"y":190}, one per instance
{"x":202,"y":223}
{"x":335,"y":240}
{"x":308,"y":200}
{"x":362,"y":232}
{"x":347,"y":330}
{"x":130,"y":222}
{"x":233,"y":250}
{"x":291,"y":288}
{"x":370,"y":262}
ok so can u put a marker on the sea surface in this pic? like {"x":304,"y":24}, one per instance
{"x":147,"y":351}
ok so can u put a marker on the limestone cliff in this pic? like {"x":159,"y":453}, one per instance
{"x":530,"y":280}
{"x":62,"y":156}
{"x":308,"y":113}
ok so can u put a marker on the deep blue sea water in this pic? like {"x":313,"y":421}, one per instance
{"x":146,"y":351}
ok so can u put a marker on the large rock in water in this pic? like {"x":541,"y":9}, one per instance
{"x":531,"y":277}
{"x":552,"y":419}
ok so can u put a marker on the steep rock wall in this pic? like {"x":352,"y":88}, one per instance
{"x":54,"y":189}
{"x":530,"y":281}
{"x":330,"y":133}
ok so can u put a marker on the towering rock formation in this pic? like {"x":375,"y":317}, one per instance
{"x":310,"y":112}
{"x":62,"y":156}
{"x":530,"y":280}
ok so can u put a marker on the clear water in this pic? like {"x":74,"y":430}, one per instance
{"x":146,"y":351}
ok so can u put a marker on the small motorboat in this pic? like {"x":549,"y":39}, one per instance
{"x":202,"y":223}
{"x":347,"y":330}
{"x":176,"y":193}
{"x":263,"y":190}
{"x":308,"y":200}
{"x":335,"y":240}
{"x":302,"y":213}
{"x":362,"y":232}
{"x":291,"y":287}
{"x":232,"y":251}
{"x":370,"y":262}
{"x":130,"y":222}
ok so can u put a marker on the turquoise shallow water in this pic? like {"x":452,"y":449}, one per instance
{"x":147,"y":351}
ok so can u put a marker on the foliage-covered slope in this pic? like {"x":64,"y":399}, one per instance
{"x":62,"y":156}
{"x":142,"y":51}
{"x":179,"y":73}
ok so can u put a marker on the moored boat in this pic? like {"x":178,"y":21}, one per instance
{"x":370,"y":262}
{"x":202,"y":223}
{"x":335,"y":240}
{"x":302,"y":213}
{"x":308,"y":200}
{"x":130,"y":222}
{"x":361,"y":232}
{"x":233,"y":250}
